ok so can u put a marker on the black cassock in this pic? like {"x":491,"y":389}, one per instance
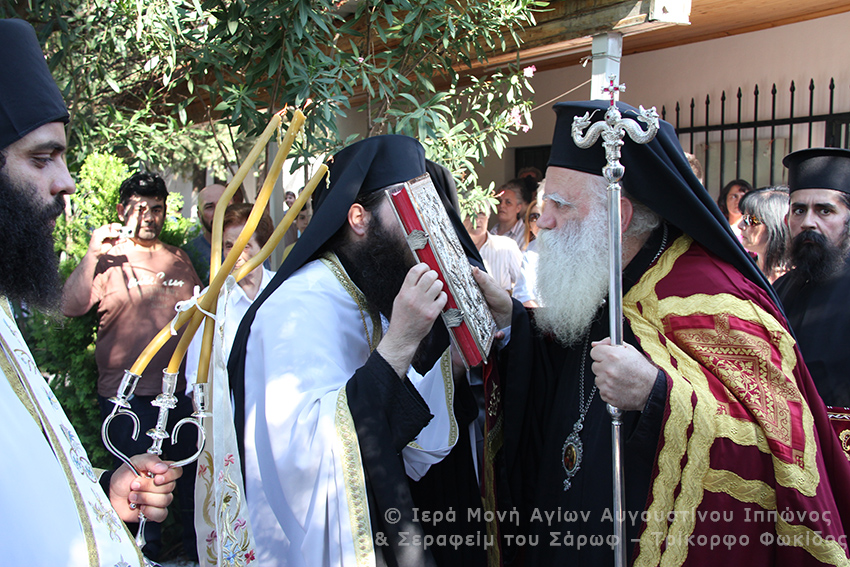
{"x":540,"y":398}
{"x":819,"y":315}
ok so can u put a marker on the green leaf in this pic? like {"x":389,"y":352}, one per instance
{"x":112,"y":83}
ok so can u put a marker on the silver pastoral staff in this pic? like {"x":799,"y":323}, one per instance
{"x":613,"y":130}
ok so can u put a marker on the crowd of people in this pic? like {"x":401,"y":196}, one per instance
{"x":365,"y":439}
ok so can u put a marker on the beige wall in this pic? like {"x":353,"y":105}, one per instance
{"x":815,"y":49}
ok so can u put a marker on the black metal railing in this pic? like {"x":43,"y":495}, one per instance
{"x":762,"y":133}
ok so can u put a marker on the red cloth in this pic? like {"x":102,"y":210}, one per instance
{"x":840,"y":420}
{"x":748,"y":468}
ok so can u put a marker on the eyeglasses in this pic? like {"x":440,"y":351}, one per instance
{"x":750,"y":220}
{"x":532,"y":217}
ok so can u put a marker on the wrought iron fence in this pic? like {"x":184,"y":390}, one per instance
{"x":753,"y":146}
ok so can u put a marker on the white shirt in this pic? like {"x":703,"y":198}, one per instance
{"x":502,"y":259}
{"x":517,"y":233}
{"x":524,"y":290}
{"x":237,"y":304}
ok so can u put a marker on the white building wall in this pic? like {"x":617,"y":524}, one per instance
{"x":815,"y":49}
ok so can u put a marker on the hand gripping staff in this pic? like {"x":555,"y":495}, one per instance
{"x":613,"y":130}
{"x":195,"y":310}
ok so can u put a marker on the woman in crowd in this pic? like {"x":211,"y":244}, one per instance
{"x":728,"y":200}
{"x":248,"y":288}
{"x":514,"y":197}
{"x":531,"y":216}
{"x":763,"y":229}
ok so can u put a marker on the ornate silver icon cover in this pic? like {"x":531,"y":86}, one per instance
{"x":433,"y":240}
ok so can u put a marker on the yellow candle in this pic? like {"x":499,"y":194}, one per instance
{"x":283,"y":226}
{"x":241,"y":173}
{"x":208,"y":301}
{"x":183,"y":344}
{"x":298,"y":120}
{"x":204,"y":362}
{"x":158,"y":342}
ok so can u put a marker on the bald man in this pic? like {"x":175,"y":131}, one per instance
{"x":199,"y":248}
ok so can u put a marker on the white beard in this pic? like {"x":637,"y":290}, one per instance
{"x":572,"y":275}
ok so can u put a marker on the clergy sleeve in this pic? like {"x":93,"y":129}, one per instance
{"x":647,"y":428}
{"x":376,"y":384}
{"x":104,"y":477}
{"x":388,"y":413}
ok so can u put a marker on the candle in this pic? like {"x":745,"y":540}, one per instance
{"x":215,"y":253}
{"x":183,"y":344}
{"x":284,"y":225}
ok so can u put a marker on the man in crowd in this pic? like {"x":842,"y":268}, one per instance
{"x":58,"y":515}
{"x":136,"y":280}
{"x":501,"y":254}
{"x":336,"y":420}
{"x":305,"y":215}
{"x":814,"y":293}
{"x":723,"y":428}
{"x":200,"y":247}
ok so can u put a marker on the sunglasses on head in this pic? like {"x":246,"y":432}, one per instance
{"x":750,"y":220}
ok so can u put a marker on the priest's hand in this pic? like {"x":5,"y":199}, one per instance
{"x":150,"y":495}
{"x":624,"y":376}
{"x":415,"y":309}
{"x":497,"y":298}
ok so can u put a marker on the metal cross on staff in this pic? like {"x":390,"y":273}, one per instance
{"x":613,"y":129}
{"x":165,"y":401}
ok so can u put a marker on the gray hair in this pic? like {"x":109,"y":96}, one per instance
{"x":644,"y":220}
{"x":770,"y":205}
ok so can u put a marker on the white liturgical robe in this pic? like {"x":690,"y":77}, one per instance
{"x":54,"y":511}
{"x":305,"y":483}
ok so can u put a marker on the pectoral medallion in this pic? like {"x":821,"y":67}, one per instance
{"x":571,"y":455}
{"x":572,"y":451}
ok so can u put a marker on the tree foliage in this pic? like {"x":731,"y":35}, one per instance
{"x":177,"y":84}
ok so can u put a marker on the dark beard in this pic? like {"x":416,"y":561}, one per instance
{"x":207,"y":227}
{"x":378,"y":265}
{"x":29,"y":266}
{"x":815,"y":258}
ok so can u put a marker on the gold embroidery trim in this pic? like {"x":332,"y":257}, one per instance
{"x":708,"y":424}
{"x":28,"y":399}
{"x":805,"y":479}
{"x":330,"y":260}
{"x":753,"y":491}
{"x":828,"y":552}
{"x":682,"y":413}
{"x":449,"y":387}
{"x":761,"y":494}
{"x":494,"y":441}
{"x":355,"y":483}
